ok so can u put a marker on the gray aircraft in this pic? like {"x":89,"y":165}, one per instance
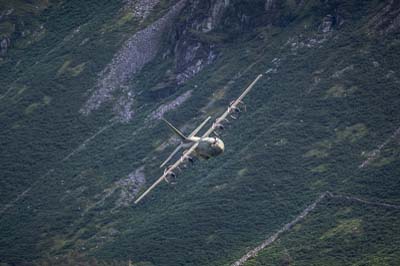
{"x":208,"y":146}
{"x":204,"y":147}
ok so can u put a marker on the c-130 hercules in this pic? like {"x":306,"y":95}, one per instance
{"x":203,"y":147}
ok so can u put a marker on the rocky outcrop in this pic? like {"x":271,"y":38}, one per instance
{"x":21,"y":24}
{"x":330,"y":22}
{"x":215,"y":14}
{"x":159,"y":113}
{"x":194,"y":67}
{"x":327,"y":23}
{"x":142,"y":8}
{"x":191,"y":53}
{"x":140,"y":49}
{"x":4,"y":45}
{"x":387,"y":20}
{"x":326,"y":30}
{"x":129,"y":187}
{"x":270,"y":5}
{"x":125,"y":191}
{"x":5,"y":41}
{"x":124,"y":106}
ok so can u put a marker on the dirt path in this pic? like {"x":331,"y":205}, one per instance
{"x":375,"y":153}
{"x":270,"y":240}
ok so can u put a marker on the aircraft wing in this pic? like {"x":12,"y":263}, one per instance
{"x":182,"y":144}
{"x":169,"y":170}
{"x":232,"y":107}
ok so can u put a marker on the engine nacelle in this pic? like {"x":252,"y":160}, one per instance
{"x":170,"y":177}
{"x":221,"y":127}
{"x":236,"y":109}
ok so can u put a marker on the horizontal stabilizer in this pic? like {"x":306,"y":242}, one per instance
{"x":199,"y":127}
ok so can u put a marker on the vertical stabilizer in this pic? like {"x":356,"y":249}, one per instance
{"x":175,"y":130}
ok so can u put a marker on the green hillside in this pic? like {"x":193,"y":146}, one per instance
{"x":340,"y":232}
{"x":84,"y":83}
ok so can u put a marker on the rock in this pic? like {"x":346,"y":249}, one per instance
{"x":124,"y":106}
{"x":142,"y":8}
{"x":4,"y":45}
{"x":140,"y":49}
{"x":193,"y":54}
{"x":270,"y":5}
{"x":326,"y":25}
{"x":195,"y":67}
{"x":387,"y":20}
{"x":159,"y":113}
{"x":329,"y":22}
{"x":130,"y":187}
{"x":339,"y":73}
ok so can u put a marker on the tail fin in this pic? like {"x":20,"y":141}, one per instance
{"x":175,"y":130}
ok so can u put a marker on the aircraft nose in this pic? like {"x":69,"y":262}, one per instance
{"x":221,"y":145}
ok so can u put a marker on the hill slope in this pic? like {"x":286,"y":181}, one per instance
{"x":82,"y":91}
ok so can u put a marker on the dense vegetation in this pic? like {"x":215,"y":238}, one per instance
{"x":339,"y":233}
{"x":328,"y":99}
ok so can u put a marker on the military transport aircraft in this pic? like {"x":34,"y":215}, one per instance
{"x":203,"y":147}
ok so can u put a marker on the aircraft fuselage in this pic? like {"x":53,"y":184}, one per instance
{"x":210,"y":147}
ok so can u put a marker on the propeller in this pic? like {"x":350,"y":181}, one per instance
{"x":170,"y":177}
{"x":220,"y":126}
{"x":216,"y":134}
{"x":190,"y":159}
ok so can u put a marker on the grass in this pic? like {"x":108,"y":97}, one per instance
{"x":352,"y":133}
{"x":341,"y":233}
{"x":292,"y":144}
